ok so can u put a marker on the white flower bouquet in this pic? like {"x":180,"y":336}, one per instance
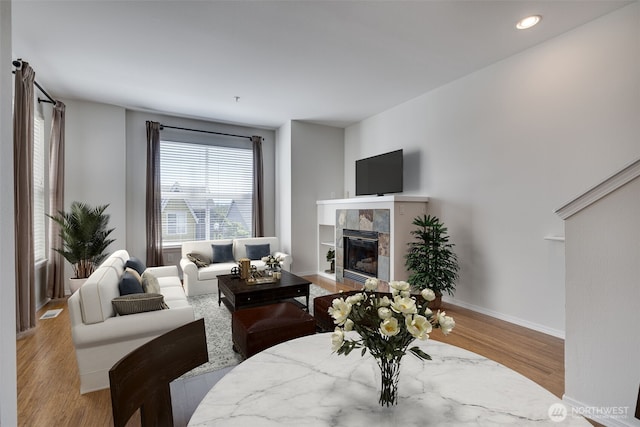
{"x":272,"y":262}
{"x":386,"y":327}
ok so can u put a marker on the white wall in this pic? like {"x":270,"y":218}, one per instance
{"x":497,"y":151}
{"x":283,"y":185}
{"x":136,"y":136}
{"x":602,"y":348}
{"x":310,"y":159}
{"x":316,"y":167}
{"x":8,"y":391}
{"x":95,"y":163}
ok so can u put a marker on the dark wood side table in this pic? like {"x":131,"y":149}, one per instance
{"x":236,"y":293}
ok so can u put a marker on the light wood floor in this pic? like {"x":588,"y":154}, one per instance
{"x":48,"y":385}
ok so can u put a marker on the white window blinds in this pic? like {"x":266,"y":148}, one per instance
{"x":207,"y":192}
{"x":39,"y":193}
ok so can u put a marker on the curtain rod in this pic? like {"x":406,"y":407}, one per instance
{"x":203,"y":131}
{"x":50,"y":100}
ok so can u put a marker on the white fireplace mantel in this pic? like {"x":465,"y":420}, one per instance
{"x":402,"y":211}
{"x":365,"y":200}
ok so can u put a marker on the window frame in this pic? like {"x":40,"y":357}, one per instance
{"x":205,"y":205}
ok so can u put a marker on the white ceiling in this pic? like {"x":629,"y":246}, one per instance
{"x":330,"y":62}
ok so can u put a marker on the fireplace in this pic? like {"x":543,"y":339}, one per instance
{"x":360,"y":254}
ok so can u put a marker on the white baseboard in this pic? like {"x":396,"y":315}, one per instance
{"x":507,"y":318}
{"x":590,"y":412}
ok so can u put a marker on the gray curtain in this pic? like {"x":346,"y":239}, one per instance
{"x":258,"y":191}
{"x":23,"y":196}
{"x":154,"y":196}
{"x":55,"y":263}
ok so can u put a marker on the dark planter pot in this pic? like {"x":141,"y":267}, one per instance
{"x":436,"y":304}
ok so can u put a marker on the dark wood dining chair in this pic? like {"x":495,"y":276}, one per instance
{"x":140,"y":380}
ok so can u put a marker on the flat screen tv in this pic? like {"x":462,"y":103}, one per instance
{"x":381,"y":174}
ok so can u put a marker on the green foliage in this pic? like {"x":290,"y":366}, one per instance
{"x":430,"y":258}
{"x":85,"y":237}
{"x":331,"y":255}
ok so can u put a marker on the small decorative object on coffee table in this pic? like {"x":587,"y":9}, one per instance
{"x":386,"y":327}
{"x":273,"y":264}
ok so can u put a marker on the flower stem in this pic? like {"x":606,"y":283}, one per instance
{"x":390,"y":370}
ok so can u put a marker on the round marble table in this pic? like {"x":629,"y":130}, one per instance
{"x":302,"y":383}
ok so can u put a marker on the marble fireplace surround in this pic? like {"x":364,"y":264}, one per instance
{"x":390,"y":216}
{"x":377,"y":220}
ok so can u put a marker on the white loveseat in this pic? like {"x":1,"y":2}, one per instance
{"x":198,"y":281}
{"x":100,"y":337}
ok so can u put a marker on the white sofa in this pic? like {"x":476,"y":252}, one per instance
{"x":100,"y":337}
{"x":198,"y":281}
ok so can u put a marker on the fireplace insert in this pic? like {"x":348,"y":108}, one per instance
{"x":360,"y":254}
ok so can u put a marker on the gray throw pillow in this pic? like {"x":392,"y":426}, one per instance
{"x":129,"y":284}
{"x":138,"y":303}
{"x":222,"y":253}
{"x":258,"y":251}
{"x":136,"y":264}
{"x":150,"y":283}
{"x":198,"y":259}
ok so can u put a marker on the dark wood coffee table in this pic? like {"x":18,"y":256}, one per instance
{"x":236,"y":293}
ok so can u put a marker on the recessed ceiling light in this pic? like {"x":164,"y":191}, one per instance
{"x":528,"y":22}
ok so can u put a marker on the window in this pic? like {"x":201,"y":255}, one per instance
{"x":207,"y":191}
{"x":39,"y":193}
{"x":176,"y":223}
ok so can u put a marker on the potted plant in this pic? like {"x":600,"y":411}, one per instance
{"x":85,"y":238}
{"x":331,"y":257}
{"x":431,"y":261}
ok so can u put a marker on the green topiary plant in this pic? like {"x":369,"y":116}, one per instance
{"x":331,"y":255}
{"x":431,"y":260}
{"x":85,"y":237}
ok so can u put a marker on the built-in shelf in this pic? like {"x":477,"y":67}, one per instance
{"x":554,"y":238}
{"x":332,"y":244}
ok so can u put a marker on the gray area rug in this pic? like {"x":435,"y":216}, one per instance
{"x":217,"y":321}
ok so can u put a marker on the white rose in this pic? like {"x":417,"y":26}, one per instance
{"x":428,"y":294}
{"x":265,"y":259}
{"x":399,"y":285}
{"x":446,"y":322}
{"x":371,"y":284}
{"x":354,"y":299}
{"x":404,"y":305}
{"x":405,"y":294}
{"x":418,"y":326}
{"x":389,"y":327}
{"x":384,"y":301}
{"x":337,"y":338}
{"x":384,"y":313}
{"x":348,"y":325}
{"x":427,"y":311}
{"x":339,"y":310}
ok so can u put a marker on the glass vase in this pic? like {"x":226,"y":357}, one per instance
{"x":390,"y":374}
